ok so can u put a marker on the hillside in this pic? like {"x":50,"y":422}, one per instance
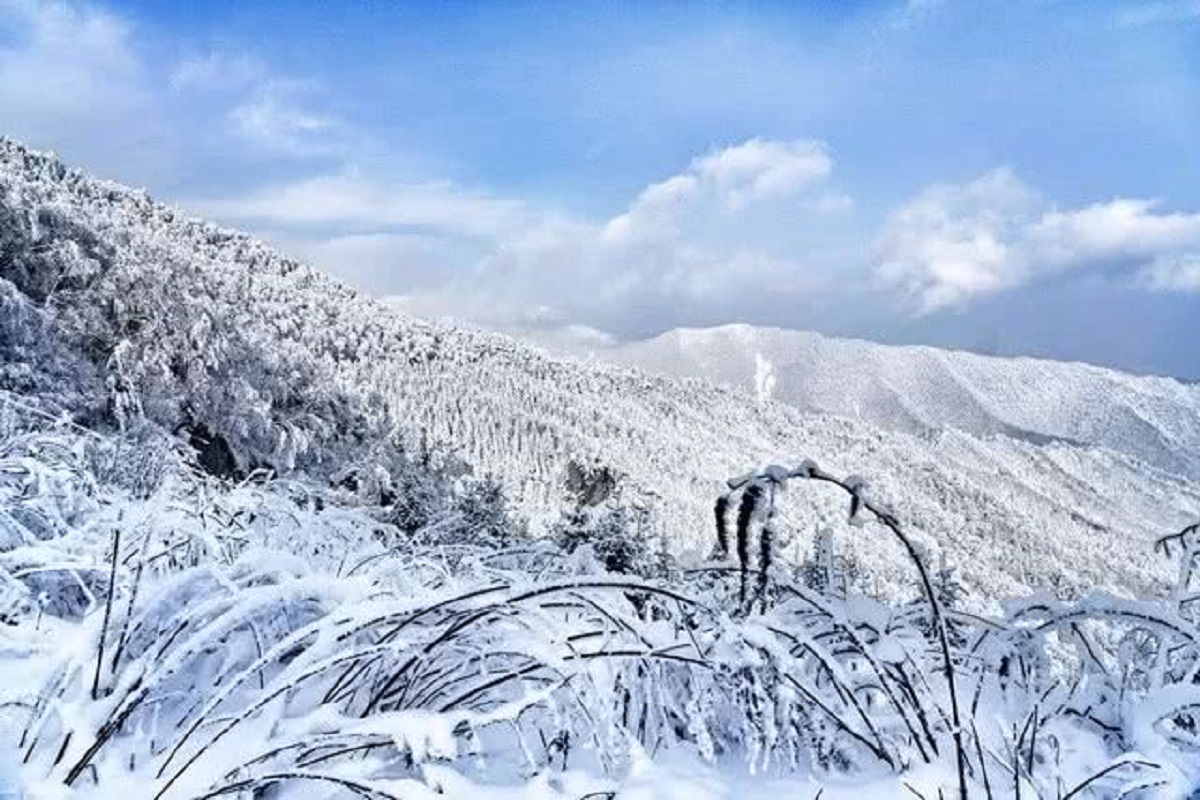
{"x":149,"y":313}
{"x":917,"y":389}
{"x":242,"y":555}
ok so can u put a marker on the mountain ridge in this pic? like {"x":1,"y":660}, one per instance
{"x":918,"y":387}
{"x":178,"y":317}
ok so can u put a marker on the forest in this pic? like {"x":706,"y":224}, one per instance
{"x":240,"y":558}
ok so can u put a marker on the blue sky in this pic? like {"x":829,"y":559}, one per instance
{"x":1018,"y":178}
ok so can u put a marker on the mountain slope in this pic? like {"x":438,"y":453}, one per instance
{"x":204,"y":330}
{"x":917,"y":389}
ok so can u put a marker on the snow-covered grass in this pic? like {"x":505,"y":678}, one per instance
{"x":168,"y":635}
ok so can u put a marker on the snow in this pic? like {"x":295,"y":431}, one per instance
{"x":246,"y":549}
{"x":918,"y":389}
{"x":283,"y":362}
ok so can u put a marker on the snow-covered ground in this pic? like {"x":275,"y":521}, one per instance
{"x":168,"y":635}
{"x":261,"y":537}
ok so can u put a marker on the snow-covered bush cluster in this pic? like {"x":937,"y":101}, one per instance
{"x":170,"y":634}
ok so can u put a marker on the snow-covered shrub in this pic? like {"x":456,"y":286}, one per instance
{"x":482,"y":516}
{"x":590,"y":485}
{"x":827,"y":570}
{"x":1083,"y":690}
{"x":137,"y":461}
{"x":608,"y":525}
{"x":193,"y":637}
{"x":213,"y":665}
{"x":619,"y":538}
{"x":169,"y":341}
{"x":33,"y":361}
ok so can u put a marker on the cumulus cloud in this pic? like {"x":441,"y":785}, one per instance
{"x":759,"y":169}
{"x":951,"y":244}
{"x":694,"y":243}
{"x":1132,"y":230}
{"x":730,"y":179}
{"x":689,"y":240}
{"x":954,"y":242}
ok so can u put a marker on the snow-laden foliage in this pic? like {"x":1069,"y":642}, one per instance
{"x":120,"y":310}
{"x":168,"y":634}
{"x":256,"y":541}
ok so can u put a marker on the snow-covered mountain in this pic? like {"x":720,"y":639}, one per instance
{"x":200,"y":328}
{"x":917,"y":389}
{"x":176,"y":622}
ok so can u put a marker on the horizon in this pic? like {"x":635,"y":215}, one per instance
{"x":906,"y":173}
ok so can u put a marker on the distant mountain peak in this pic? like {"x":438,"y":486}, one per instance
{"x":913,"y":388}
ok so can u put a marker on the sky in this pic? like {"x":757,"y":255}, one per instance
{"x":1018,"y":178}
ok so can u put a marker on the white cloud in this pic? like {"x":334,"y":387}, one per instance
{"x":1119,"y":229}
{"x":269,"y":111}
{"x":657,"y":212}
{"x":760,"y":169}
{"x":952,"y":244}
{"x":730,"y":179}
{"x":276,"y":119}
{"x":695,"y":238}
{"x":361,"y":204}
{"x":1176,"y":274}
{"x":685,"y":242}
{"x":70,"y":78}
{"x":78,"y":79}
